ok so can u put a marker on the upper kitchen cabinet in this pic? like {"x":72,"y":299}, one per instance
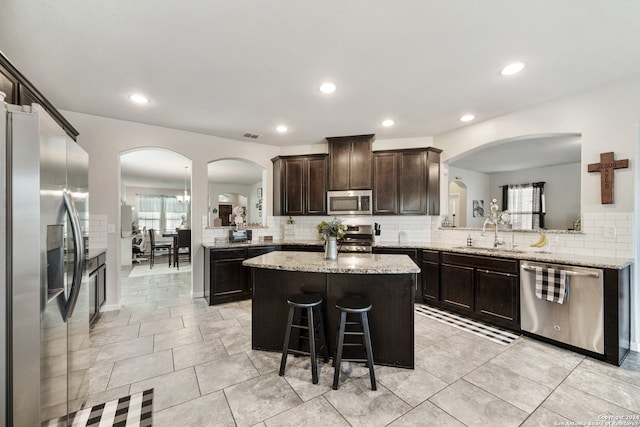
{"x":350,"y":162}
{"x":406,"y":182}
{"x":300,"y":185}
{"x":20,"y":91}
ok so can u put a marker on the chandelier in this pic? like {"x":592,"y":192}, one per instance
{"x":184,"y":198}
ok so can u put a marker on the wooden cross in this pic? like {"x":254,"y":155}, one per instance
{"x":606,"y":167}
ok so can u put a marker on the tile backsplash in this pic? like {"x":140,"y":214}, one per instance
{"x":393,"y":228}
{"x":97,"y":231}
{"x":603,"y":234}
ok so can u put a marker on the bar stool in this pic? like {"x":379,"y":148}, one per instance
{"x":305,"y":314}
{"x":346,"y":306}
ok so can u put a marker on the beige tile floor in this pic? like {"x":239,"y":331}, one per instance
{"x":200,"y":363}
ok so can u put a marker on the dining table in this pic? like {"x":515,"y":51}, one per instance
{"x":174,"y":245}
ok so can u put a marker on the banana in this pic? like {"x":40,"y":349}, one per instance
{"x":541,"y":242}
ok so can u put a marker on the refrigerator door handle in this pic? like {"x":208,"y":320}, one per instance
{"x":79,"y":254}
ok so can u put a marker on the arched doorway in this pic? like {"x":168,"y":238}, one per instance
{"x":155,"y":194}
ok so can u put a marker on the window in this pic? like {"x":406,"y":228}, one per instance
{"x":526,"y":205}
{"x":160,"y":212}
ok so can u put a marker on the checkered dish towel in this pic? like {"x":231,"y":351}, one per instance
{"x":551,"y":284}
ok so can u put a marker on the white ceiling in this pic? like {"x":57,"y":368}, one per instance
{"x":157,"y":168}
{"x":226,"y":67}
{"x":523,"y":153}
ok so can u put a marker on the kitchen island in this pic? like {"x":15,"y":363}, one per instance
{"x":387,"y":281}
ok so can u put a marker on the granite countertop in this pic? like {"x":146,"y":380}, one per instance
{"x":314,"y":262}
{"x":226,"y":245}
{"x":525,"y":254}
{"x":539,"y":256}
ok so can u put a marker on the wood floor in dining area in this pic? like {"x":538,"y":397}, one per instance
{"x":199,"y":361}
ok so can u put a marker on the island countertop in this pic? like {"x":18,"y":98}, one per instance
{"x":346,"y":263}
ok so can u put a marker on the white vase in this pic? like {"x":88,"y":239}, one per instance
{"x":331,"y":248}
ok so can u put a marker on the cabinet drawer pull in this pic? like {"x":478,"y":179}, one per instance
{"x":456,"y":303}
{"x":498,"y":272}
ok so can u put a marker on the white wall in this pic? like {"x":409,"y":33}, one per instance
{"x":562,"y":191}
{"x":105,"y":139}
{"x":607,"y":118}
{"x":478,"y":188}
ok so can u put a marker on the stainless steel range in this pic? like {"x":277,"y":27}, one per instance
{"x":358,"y":238}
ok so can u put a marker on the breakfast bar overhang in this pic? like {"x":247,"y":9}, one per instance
{"x":387,"y":281}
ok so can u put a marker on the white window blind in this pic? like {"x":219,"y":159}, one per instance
{"x":526,"y":205}
{"x":162,"y":213}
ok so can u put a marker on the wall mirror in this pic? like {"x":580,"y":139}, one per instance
{"x":236,"y":188}
{"x":477,"y":176}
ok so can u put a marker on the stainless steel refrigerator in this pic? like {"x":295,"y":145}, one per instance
{"x":45,"y":219}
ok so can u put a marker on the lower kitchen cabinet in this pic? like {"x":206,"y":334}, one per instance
{"x":226,"y":278}
{"x":457,"y":287}
{"x":497,"y":295}
{"x":97,"y":267}
{"x":430,"y":275}
{"x":303,"y":248}
{"x":486,"y":288}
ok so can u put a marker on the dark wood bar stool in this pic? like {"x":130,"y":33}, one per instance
{"x":360,"y":307}
{"x":305,"y":313}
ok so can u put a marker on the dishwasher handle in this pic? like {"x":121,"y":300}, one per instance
{"x":595,"y":274}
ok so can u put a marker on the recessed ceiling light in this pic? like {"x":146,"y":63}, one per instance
{"x":388,"y":123}
{"x":139,"y":99}
{"x":282,"y":129}
{"x":511,"y":69}
{"x":327,"y":87}
{"x":467,"y":118}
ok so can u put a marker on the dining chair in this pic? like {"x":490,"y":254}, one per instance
{"x":157,"y":246}
{"x":184,"y":241}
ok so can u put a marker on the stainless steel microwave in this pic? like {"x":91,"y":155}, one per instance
{"x":349,"y":202}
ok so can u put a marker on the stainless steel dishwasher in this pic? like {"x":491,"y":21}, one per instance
{"x":579,"y":321}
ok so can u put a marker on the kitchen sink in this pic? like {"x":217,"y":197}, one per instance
{"x":491,"y":250}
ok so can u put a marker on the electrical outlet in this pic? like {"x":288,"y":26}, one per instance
{"x":609,"y":232}
{"x":111,"y":228}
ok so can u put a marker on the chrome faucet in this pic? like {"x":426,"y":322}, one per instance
{"x":495,"y":217}
{"x":496,"y":240}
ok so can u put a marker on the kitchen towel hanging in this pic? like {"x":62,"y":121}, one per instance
{"x":551,"y":284}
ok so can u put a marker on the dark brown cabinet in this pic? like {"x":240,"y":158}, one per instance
{"x":385,"y":190}
{"x":350,"y":162}
{"x":430,"y":275}
{"x":486,"y":288}
{"x":406,"y":182}
{"x":457,"y":287}
{"x":20,"y":91}
{"x":414,"y":254}
{"x":226,"y":276}
{"x":97,"y":268}
{"x":300,"y":185}
{"x":496,"y":293}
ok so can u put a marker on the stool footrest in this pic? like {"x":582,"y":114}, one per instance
{"x":351,"y":306}
{"x":355,"y":360}
{"x":305,"y":313}
{"x":352,"y":344}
